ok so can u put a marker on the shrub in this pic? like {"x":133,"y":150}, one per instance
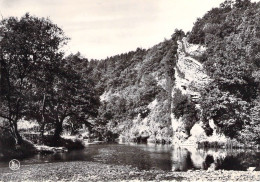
{"x":9,"y":149}
{"x":185,"y":108}
{"x":61,"y":142}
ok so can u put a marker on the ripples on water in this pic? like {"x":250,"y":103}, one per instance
{"x":150,"y":156}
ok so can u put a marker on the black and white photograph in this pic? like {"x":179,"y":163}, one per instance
{"x":129,"y":90}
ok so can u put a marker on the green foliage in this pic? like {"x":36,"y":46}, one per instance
{"x":228,"y":112}
{"x":178,"y":34}
{"x":251,"y":131}
{"x":28,"y":47}
{"x":130,"y":80}
{"x":36,"y":82}
{"x":185,"y":108}
{"x":231,"y":34}
{"x":127,"y":104}
{"x":73,"y":95}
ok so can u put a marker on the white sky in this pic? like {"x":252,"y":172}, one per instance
{"x":101,"y":28}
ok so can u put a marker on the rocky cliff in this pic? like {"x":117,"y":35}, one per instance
{"x":189,"y":77}
{"x":155,"y":97}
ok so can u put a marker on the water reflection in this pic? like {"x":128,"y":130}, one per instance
{"x":184,"y":159}
{"x":151,"y":156}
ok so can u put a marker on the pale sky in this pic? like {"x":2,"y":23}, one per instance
{"x":101,"y":28}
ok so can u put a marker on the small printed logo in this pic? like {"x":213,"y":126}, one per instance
{"x":14,"y":164}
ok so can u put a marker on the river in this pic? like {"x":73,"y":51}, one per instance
{"x":150,"y":156}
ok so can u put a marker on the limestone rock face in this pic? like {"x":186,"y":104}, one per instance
{"x":189,"y":73}
{"x":190,"y":77}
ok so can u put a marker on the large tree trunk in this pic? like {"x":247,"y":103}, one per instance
{"x":42,"y":133}
{"x":73,"y":130}
{"x":18,"y":137}
{"x":42,"y":119}
{"x":58,"y":131}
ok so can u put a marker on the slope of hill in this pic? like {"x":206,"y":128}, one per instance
{"x":135,"y":104}
{"x":205,"y":81}
{"x":140,"y":89}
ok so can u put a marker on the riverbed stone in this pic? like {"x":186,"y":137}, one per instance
{"x":92,"y":171}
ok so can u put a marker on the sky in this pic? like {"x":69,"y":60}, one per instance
{"x":102,"y":28}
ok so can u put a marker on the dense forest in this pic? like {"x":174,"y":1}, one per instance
{"x":136,"y":96}
{"x":231,"y":34}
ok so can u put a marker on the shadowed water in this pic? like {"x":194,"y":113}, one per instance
{"x":149,"y":156}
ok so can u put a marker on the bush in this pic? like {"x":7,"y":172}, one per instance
{"x":61,"y":142}
{"x":179,"y":102}
{"x":10,"y":150}
{"x":185,"y":108}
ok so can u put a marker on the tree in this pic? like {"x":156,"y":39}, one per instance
{"x":251,"y":130}
{"x":182,"y":106}
{"x":178,"y":34}
{"x":29,"y":48}
{"x":73,"y":96}
{"x":231,"y":34}
{"x":229,"y":113}
{"x":242,"y":3}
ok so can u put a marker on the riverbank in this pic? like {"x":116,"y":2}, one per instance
{"x":92,"y":171}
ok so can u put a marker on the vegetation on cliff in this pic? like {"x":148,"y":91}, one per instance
{"x":232,"y":36}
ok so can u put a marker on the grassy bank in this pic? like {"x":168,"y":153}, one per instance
{"x":90,"y":171}
{"x":11,"y":150}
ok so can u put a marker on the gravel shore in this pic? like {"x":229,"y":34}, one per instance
{"x":91,"y":171}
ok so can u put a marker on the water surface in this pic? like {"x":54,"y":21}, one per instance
{"x":150,"y":156}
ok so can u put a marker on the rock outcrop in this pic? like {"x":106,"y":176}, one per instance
{"x":160,"y":125}
{"x":190,"y":77}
